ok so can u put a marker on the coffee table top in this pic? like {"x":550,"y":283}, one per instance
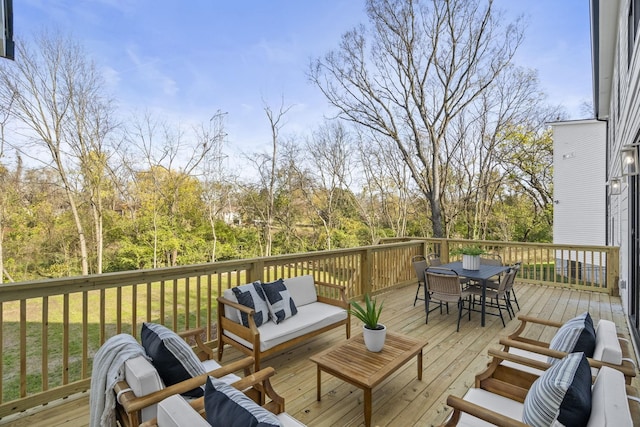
{"x":350,"y":360}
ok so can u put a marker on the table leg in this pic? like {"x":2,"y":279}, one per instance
{"x":484,"y":301}
{"x":367,"y":407}
{"x":420,"y":366}
{"x":319,"y":382}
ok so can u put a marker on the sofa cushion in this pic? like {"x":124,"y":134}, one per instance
{"x":310,"y":317}
{"x":302,"y":289}
{"x":174,"y":411}
{"x":143,"y":378}
{"x":226,"y":406}
{"x":576,"y":335}
{"x":281,"y":305}
{"x":607,"y":347}
{"x":609,"y":406}
{"x":562,"y":393}
{"x":251,"y":295}
{"x":171,"y":356}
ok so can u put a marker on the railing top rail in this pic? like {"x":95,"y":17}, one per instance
{"x":503,"y":243}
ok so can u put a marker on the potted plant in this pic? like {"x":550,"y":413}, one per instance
{"x":470,"y":257}
{"x":374,"y":333}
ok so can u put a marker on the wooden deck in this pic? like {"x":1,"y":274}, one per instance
{"x":450,"y":362}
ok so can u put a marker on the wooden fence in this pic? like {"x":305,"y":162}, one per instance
{"x":50,"y":329}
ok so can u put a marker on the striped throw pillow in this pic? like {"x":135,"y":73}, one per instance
{"x":562,"y":393}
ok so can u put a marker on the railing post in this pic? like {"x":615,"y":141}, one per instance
{"x":256,"y":272}
{"x":366,"y":272}
{"x":613,"y":271}
{"x":444,"y":251}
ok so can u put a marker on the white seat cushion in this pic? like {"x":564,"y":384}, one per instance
{"x":143,"y":379}
{"x":174,"y":411}
{"x":529,"y":355}
{"x":288,"y":421}
{"x":607,"y":345}
{"x":609,"y":406}
{"x":485,"y":399}
{"x":210,"y":365}
{"x":310,"y":317}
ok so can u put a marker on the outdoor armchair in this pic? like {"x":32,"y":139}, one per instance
{"x":174,"y":411}
{"x":609,"y":349}
{"x":505,"y":396}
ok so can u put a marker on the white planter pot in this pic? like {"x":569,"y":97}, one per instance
{"x":374,"y":338}
{"x":471,"y":262}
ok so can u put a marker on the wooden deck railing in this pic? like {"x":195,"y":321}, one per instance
{"x":50,"y":329}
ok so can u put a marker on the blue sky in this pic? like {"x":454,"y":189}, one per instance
{"x":186,"y":59}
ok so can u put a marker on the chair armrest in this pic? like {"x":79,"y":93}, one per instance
{"x":524,"y":319}
{"x":248,"y":333}
{"x":627,"y":367}
{"x":460,"y":405}
{"x":342,"y":301}
{"x":532,"y":347}
{"x":132,"y":403}
{"x":204,"y":352}
{"x":223,"y":301}
{"x":503,"y":355}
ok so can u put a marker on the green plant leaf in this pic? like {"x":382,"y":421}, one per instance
{"x":369,"y":314}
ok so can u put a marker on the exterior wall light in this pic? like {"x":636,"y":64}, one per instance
{"x":615,"y":186}
{"x":629,"y":160}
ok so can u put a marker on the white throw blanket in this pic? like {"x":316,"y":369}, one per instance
{"x":108,"y":369}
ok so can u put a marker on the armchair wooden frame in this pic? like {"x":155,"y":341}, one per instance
{"x":258,"y":382}
{"x":512,"y":384}
{"x":516,"y":340}
{"x":128,"y":405}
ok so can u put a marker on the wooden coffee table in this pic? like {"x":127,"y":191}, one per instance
{"x":352,"y":362}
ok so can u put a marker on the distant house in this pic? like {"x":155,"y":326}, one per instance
{"x":579,"y":183}
{"x":615,"y":26}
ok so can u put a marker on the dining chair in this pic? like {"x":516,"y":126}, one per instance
{"x":419,"y":263}
{"x":434,"y":260}
{"x":510,"y":291}
{"x":498,"y":294}
{"x":443,"y":285}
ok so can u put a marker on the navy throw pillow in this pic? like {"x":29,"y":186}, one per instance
{"x":172,"y":357}
{"x":229,"y":407}
{"x":281,"y":305}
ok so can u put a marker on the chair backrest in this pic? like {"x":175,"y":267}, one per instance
{"x":419,"y":265}
{"x":515,"y":267}
{"x":443,"y":284}
{"x":506,"y":282}
{"x":434,"y":260}
{"x":491,"y":259}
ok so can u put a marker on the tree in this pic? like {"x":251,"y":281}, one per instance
{"x":330,"y":161}
{"x":426,"y":63}
{"x":58,"y":95}
{"x":261,"y":200}
{"x":166,"y":182}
